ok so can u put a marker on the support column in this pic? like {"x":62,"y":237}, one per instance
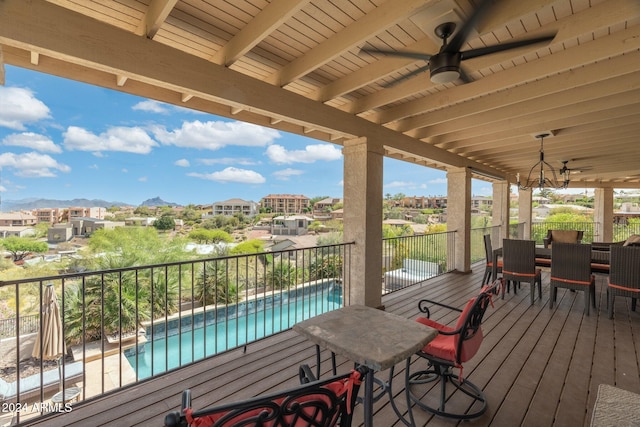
{"x":459,"y":215}
{"x":524,"y":212}
{"x":603,"y":215}
{"x":363,"y":171}
{"x":500,"y":212}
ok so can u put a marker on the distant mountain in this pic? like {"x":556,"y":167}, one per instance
{"x":157,"y":201}
{"x":32,"y":203}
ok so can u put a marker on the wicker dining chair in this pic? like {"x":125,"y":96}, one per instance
{"x":488,"y":249}
{"x":571,"y":269}
{"x":519,"y":265}
{"x":624,"y":276}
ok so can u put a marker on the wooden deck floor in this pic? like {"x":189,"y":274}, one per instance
{"x":538,"y":367}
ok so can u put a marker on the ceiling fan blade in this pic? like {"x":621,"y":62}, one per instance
{"x":467,"y":27}
{"x":474,"y":53}
{"x":400,"y":53}
{"x":464,"y":75}
{"x":406,"y":76}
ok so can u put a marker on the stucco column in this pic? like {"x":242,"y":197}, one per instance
{"x":363,"y":163}
{"x":524,"y":211}
{"x":500,"y":212}
{"x":459,"y":215}
{"x":603,"y":215}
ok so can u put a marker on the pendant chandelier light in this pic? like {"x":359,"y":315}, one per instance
{"x":542,"y":174}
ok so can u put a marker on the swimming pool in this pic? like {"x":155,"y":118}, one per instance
{"x":230,"y":327}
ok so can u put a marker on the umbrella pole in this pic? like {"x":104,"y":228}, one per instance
{"x":60,"y":374}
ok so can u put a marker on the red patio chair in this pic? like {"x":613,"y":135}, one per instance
{"x":328,"y":402}
{"x":450,"y":349}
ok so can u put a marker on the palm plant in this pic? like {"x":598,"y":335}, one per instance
{"x":214,"y":285}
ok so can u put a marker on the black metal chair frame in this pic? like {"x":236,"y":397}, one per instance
{"x":624,"y":276}
{"x":443,"y":370}
{"x":313,"y":403}
{"x":519,"y":265}
{"x":571,"y":269}
{"x":488,"y":249}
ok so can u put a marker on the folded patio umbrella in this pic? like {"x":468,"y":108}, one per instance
{"x":49,"y":344}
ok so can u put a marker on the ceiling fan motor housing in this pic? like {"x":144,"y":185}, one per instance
{"x":445,"y":67}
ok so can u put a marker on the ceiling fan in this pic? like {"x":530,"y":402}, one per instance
{"x":444,"y":66}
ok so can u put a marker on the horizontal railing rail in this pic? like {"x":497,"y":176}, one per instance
{"x":161,"y":317}
{"x":412,"y":259}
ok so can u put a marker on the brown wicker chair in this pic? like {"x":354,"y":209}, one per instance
{"x":624,"y":276}
{"x":488,"y":249}
{"x":519,"y":265}
{"x":571,"y":269}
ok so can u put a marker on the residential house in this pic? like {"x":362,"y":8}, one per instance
{"x":235,"y":206}
{"x":49,"y":215}
{"x":322,"y":208}
{"x":18,"y":231}
{"x":14,"y":219}
{"x":292,"y":225}
{"x":83,"y":212}
{"x":285,"y":203}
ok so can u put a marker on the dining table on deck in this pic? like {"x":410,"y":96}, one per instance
{"x":371,"y":337}
{"x":599,"y":260}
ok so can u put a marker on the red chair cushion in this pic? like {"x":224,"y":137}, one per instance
{"x":445,"y":346}
{"x":338,"y":388}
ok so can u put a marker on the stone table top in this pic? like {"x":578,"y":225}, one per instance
{"x":366,"y":335}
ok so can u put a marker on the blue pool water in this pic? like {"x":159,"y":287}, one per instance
{"x":229,"y":328}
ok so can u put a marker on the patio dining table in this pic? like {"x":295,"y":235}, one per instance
{"x":599,"y":259}
{"x":369,"y":337}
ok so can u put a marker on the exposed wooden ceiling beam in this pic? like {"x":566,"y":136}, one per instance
{"x":271,"y":17}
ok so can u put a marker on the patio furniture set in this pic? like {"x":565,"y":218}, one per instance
{"x":572,"y":265}
{"x":375,"y":341}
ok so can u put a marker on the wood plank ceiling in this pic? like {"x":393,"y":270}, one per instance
{"x":296,"y":65}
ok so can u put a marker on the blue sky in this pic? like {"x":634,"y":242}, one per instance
{"x":62,"y":140}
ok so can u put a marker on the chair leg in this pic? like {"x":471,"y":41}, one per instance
{"x":533,"y":292}
{"x":487,"y":276}
{"x":587,"y":297}
{"x":554,"y":294}
{"x":633,"y":304}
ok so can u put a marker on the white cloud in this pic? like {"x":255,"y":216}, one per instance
{"x":33,"y":141}
{"x":143,"y":179}
{"x":285,"y":174}
{"x":311,"y":153}
{"x":151,"y":107}
{"x":3,"y":189}
{"x":245,"y":161}
{"x":232,"y":174}
{"x":182,"y":163}
{"x":438,"y":181}
{"x":19,"y":107}
{"x":405,"y":185}
{"x":215,"y":135}
{"x":32,"y":165}
{"x":126,"y":139}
